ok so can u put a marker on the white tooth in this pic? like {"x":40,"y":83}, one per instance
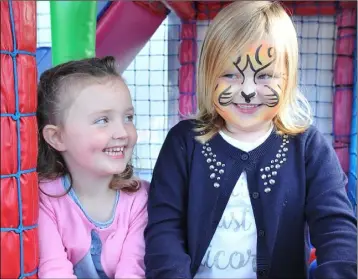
{"x":247,"y":106}
{"x":114,"y":151}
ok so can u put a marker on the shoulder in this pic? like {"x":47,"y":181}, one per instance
{"x":314,"y":141}
{"x":319,"y":152}
{"x":134,"y":205}
{"x":139,"y":198}
{"x":50,"y":188}
{"x":183,"y":128}
{"x":307,"y":135}
{"x":180,"y":138}
{"x":144,"y":185}
{"x":53,"y":200}
{"x":179,"y":143}
{"x":311,"y":131}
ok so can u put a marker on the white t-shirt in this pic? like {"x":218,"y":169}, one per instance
{"x":232,"y":250}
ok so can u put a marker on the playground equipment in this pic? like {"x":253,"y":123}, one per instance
{"x":122,"y":28}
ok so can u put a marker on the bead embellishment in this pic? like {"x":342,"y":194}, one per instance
{"x":268,"y":173}
{"x":216,"y":167}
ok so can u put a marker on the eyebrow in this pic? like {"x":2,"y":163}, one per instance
{"x":129,"y":109}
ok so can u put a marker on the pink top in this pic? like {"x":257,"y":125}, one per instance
{"x":72,"y":245}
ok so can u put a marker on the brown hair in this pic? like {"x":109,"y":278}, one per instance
{"x":50,"y":163}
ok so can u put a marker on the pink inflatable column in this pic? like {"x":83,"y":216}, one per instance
{"x":187,"y":59}
{"x":187,"y":55}
{"x":342,"y":103}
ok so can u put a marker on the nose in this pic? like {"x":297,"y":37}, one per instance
{"x":248,"y":90}
{"x":119,"y":131}
{"x":248,"y":86}
{"x":248,"y":97}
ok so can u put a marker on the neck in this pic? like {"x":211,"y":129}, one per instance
{"x":247,"y":135}
{"x":91,"y":186}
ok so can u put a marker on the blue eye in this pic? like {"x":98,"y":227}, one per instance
{"x":128,"y":118}
{"x":231,"y":76}
{"x":102,"y":120}
{"x":265,"y":76}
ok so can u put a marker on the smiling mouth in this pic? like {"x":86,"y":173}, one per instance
{"x":247,"y":106}
{"x":114,"y":151}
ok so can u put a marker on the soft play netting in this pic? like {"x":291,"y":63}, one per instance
{"x":123,"y":29}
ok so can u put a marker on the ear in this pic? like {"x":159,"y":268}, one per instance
{"x":52,"y":135}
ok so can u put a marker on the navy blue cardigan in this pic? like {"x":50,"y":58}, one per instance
{"x":294,"y":183}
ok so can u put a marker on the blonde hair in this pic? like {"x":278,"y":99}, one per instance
{"x":234,"y":28}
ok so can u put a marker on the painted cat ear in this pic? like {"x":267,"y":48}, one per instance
{"x":257,"y":55}
{"x":238,"y":60}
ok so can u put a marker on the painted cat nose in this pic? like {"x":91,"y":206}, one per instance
{"x":248,"y":97}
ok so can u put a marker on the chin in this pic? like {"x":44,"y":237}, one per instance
{"x":247,"y":126}
{"x":120,"y":170}
{"x":115,"y":170}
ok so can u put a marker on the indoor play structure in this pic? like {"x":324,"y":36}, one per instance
{"x":121,"y":29}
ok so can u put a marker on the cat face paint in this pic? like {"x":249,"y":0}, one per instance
{"x":248,"y":93}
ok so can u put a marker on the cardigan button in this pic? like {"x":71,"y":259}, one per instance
{"x":261,"y":233}
{"x":255,"y":195}
{"x":262,"y":272}
{"x":244,"y":156}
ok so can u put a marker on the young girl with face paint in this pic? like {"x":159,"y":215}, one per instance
{"x":92,"y":211}
{"x":235,"y":191}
